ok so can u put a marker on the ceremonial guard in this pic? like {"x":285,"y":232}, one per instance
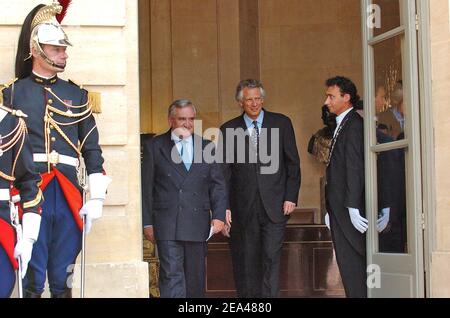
{"x":62,"y":129}
{"x":16,"y":169}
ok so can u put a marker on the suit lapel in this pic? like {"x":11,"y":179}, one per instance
{"x":266,"y":132}
{"x":340,"y":129}
{"x":243,"y":125}
{"x":167,"y":149}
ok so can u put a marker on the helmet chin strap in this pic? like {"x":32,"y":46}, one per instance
{"x":47,"y":59}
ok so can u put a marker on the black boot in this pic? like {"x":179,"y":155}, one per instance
{"x":65,"y":294}
{"x":29,"y":294}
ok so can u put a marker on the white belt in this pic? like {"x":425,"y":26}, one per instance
{"x":4,"y":195}
{"x":55,"y":158}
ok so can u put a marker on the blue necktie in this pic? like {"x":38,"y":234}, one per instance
{"x":187,"y":159}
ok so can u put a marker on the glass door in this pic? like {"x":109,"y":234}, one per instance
{"x":392,"y":145}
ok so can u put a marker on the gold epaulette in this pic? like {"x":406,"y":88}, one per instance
{"x":3,"y":86}
{"x":94,"y":98}
{"x":10,"y":83}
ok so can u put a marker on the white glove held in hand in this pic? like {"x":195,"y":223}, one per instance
{"x":357,"y":220}
{"x":31,"y":223}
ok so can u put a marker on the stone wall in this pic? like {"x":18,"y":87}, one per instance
{"x":440,"y":59}
{"x":104,"y":59}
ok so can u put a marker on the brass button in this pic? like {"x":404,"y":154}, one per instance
{"x":53,"y":139}
{"x":50,"y":101}
{"x":51,"y":114}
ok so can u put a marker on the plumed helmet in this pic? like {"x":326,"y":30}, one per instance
{"x":41,"y":26}
{"x":46,"y":28}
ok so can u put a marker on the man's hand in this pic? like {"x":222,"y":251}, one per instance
{"x":227,"y":227}
{"x":217,"y":225}
{"x":288,"y":207}
{"x":149,"y":234}
{"x":31,"y":223}
{"x":228,"y":218}
{"x":24,"y":249}
{"x":92,"y":210}
{"x":383,"y":221}
{"x":360,"y":223}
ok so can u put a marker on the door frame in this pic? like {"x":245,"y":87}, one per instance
{"x":427,"y":138}
{"x":417,"y":141}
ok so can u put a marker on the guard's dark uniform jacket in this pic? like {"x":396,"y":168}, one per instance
{"x":16,"y":169}
{"x":40,"y":98}
{"x":61,"y":127}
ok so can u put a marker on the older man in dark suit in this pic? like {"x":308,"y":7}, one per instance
{"x":262,"y":169}
{"x":186,"y":200}
{"x":345,"y":186}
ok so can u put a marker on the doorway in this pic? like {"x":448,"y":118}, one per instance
{"x":201,"y":49}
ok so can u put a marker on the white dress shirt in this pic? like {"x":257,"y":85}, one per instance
{"x":339,"y":120}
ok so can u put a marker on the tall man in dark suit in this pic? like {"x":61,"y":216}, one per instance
{"x":186,"y":199}
{"x":345,"y":186}
{"x":262,"y":170}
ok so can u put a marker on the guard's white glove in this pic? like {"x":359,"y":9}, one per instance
{"x":31,"y":223}
{"x":383,"y":221}
{"x":93,"y":209}
{"x":327,"y":221}
{"x":360,"y":223}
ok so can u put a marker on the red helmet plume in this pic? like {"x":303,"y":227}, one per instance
{"x":65,"y":5}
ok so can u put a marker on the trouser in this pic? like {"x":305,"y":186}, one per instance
{"x":352,"y":265}
{"x":256,"y":254}
{"x":7,"y":275}
{"x":57,"y":247}
{"x":182,"y":269}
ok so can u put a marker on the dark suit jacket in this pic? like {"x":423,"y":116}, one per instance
{"x":245,"y":180}
{"x":178,"y":202}
{"x":345,"y":178}
{"x":386,"y":164}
